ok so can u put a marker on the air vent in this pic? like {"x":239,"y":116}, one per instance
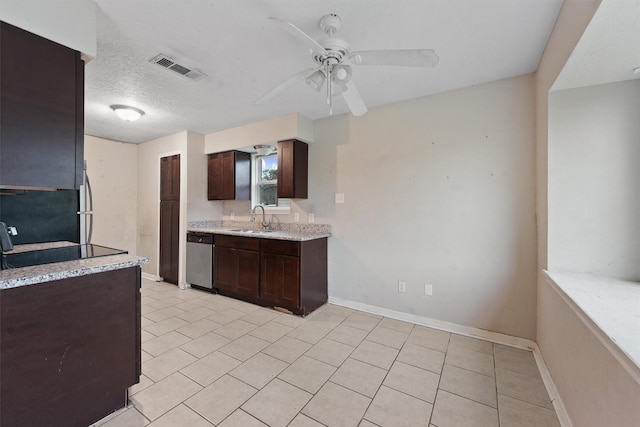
{"x":165,"y":62}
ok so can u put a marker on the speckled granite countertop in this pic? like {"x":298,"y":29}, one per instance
{"x":283,"y":231}
{"x":15,"y":277}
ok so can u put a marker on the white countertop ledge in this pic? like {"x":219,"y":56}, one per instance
{"x":15,"y":277}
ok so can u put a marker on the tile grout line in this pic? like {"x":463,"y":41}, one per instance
{"x":354,"y":348}
{"x":444,"y":361}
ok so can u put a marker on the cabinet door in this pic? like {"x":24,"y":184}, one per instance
{"x":293,"y":159}
{"x":225,"y":267}
{"x":280,"y":282}
{"x":42,"y":114}
{"x":169,"y":240}
{"x":170,"y":178}
{"x":228,"y":176}
{"x":248,"y":272}
{"x":214,"y":177}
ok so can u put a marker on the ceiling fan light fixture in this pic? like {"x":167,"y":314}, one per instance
{"x":316,"y":80}
{"x":127,"y":113}
{"x":264,"y":150}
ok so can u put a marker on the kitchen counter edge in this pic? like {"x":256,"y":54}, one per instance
{"x":24,"y":276}
{"x":275,"y":235}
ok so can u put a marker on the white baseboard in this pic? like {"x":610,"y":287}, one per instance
{"x":469,"y":331}
{"x":558,"y":404}
{"x":151,"y":277}
{"x":439,"y":324}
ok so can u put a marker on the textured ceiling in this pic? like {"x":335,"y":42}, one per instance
{"x":244,"y":54}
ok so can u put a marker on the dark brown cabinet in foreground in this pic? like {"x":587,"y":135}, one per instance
{"x":229,"y":176}
{"x":293,"y":169}
{"x":270,"y":272}
{"x":70,"y":349}
{"x":42,"y":114}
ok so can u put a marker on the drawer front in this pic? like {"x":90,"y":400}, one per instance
{"x":281,"y":247}
{"x":246,"y":243}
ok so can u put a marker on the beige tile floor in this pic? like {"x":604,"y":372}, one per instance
{"x":215,"y":361}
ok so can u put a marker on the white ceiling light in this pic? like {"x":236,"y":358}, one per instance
{"x":264,"y":150}
{"x":130,"y":114}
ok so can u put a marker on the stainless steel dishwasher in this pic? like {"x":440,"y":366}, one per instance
{"x":200,"y":250}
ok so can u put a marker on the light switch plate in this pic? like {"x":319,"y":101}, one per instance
{"x":428,"y":290}
{"x":312,"y":218}
{"x":339,"y":197}
{"x":296,"y":217}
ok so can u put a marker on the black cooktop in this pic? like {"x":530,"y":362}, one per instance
{"x":48,"y":256}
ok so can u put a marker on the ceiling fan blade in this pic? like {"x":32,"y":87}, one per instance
{"x":397,"y":57}
{"x":300,"y":35}
{"x":354,"y":100}
{"x":284,"y":85}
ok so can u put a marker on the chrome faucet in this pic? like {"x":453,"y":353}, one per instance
{"x":253,"y":215}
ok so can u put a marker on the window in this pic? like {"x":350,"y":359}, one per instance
{"x":267,"y":179}
{"x":264,"y":189}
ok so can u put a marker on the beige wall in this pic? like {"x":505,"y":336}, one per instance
{"x":198,"y":207}
{"x":594,"y":202}
{"x":438,"y":190}
{"x":112,"y":170}
{"x":267,"y":131}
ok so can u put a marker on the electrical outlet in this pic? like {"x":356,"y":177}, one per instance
{"x":296,"y":217}
{"x":339,"y":197}
{"x":428,"y":290}
{"x":312,"y":218}
{"x":233,"y":215}
{"x":402,"y":287}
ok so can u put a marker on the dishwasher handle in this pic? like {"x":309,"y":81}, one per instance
{"x":204,"y":238}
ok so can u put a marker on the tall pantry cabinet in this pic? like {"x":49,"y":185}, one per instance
{"x":169,"y":218}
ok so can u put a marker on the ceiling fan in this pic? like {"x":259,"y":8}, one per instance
{"x":333,"y":64}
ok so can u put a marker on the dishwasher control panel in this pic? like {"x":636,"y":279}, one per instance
{"x":205,"y":238}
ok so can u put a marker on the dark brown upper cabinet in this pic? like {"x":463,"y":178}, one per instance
{"x":293,"y":169}
{"x":42,"y":114}
{"x":229,"y":176}
{"x":170,"y":177}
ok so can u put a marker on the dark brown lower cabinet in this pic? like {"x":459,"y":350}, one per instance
{"x":169,"y":240}
{"x":70,"y":348}
{"x":280,"y":279}
{"x":237,"y":265}
{"x":276,"y":273}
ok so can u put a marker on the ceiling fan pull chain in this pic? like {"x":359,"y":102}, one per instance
{"x":326,"y":65}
